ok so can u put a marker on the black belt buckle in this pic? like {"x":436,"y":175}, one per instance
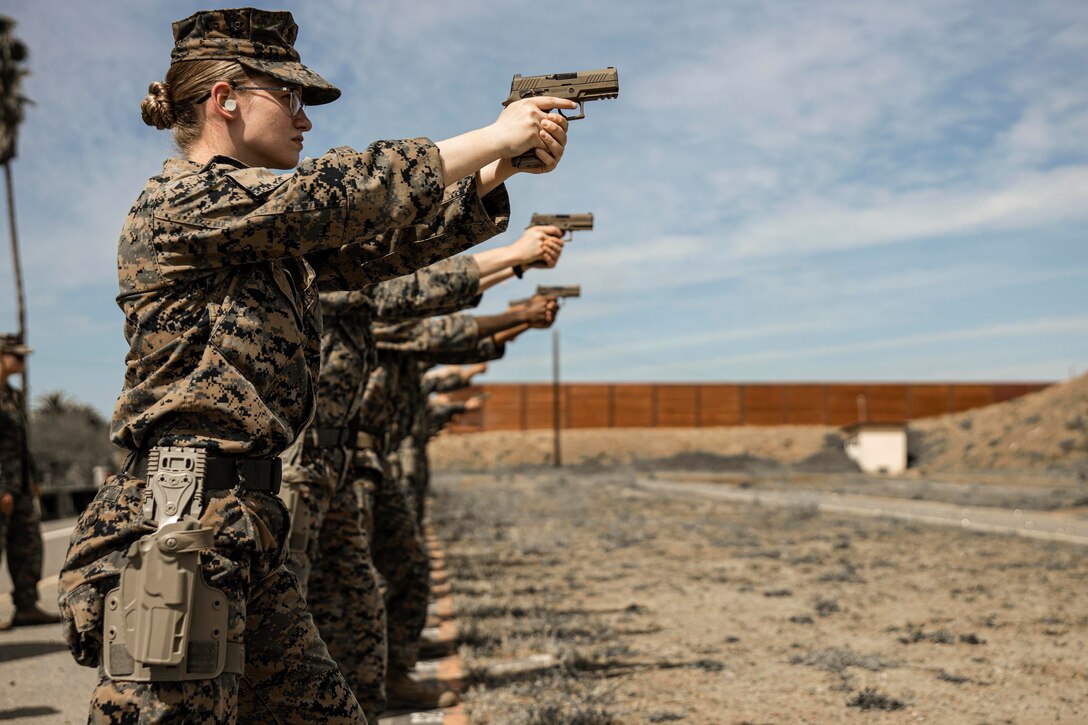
{"x":260,"y":474}
{"x":252,"y":475}
{"x":225,"y":472}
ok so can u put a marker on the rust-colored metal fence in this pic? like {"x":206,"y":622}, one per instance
{"x":528,"y":406}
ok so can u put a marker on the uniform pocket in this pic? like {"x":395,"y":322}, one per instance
{"x":96,"y":555}
{"x":81,"y":614}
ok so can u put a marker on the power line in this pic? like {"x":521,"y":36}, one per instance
{"x":75,"y":361}
{"x":642,"y":358}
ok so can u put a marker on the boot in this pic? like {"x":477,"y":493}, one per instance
{"x":31,"y":616}
{"x":404,"y":692}
{"x":433,"y":647}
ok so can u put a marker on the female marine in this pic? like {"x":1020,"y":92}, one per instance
{"x":174,"y":582}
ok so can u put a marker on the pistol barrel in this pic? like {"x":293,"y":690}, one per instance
{"x":566,"y":222}
{"x":573,"y":290}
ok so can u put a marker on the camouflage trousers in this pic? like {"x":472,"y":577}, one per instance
{"x":21,"y":533}
{"x":338,"y":575}
{"x":415,"y":474}
{"x":289,"y":676}
{"x":421,"y":483}
{"x":400,"y":556}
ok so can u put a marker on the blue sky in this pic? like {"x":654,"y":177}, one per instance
{"x":787,"y":191}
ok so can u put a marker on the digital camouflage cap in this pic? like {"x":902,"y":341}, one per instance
{"x":13,"y":344}
{"x":261,"y":40}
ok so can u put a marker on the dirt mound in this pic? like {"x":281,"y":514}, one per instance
{"x":1044,"y":432}
{"x":700,"y":448}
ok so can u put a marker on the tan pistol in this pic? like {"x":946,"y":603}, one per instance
{"x":580,"y":86}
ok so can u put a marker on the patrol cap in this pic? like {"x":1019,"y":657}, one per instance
{"x":12,"y":344}
{"x":261,"y":40}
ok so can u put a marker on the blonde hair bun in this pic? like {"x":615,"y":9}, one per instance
{"x":157,"y":108}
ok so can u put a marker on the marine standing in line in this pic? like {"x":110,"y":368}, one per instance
{"x":219,"y":265}
{"x":20,"y":520}
{"x":329,"y":551}
{"x":398,"y":545}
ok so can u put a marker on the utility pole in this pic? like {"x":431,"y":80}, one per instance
{"x":557,"y":293}
{"x":556,"y":423}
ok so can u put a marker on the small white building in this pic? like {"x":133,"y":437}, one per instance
{"x":877,"y":447}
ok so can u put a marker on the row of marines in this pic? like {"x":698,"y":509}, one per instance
{"x":355,"y":481}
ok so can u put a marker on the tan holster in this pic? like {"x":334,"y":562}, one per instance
{"x":163,"y":623}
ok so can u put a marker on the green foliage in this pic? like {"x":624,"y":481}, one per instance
{"x":67,"y":440}
{"x":13,"y":55}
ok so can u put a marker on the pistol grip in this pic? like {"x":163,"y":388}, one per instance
{"x":527,"y":160}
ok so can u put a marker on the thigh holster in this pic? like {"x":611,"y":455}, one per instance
{"x":299,"y":513}
{"x":164,"y":623}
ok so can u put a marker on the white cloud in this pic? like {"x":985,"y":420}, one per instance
{"x":821,"y":224}
{"x":1032,"y":328}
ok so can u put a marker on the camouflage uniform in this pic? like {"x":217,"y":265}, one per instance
{"x":399,"y":548}
{"x":21,"y":530}
{"x":336,"y":564}
{"x":410,"y":346}
{"x":443,"y":381}
{"x":409,"y":448}
{"x":219,"y":267}
{"x":439,"y":415}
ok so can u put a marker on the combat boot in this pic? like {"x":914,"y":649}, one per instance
{"x":32,"y":616}
{"x":430,"y":649}
{"x":404,"y":692}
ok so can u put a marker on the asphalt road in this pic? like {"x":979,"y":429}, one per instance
{"x":39,"y":681}
{"x":1050,"y":525}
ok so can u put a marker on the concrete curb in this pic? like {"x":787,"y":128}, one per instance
{"x":451,"y":669}
{"x":446,"y":672}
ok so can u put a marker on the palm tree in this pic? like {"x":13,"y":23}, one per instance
{"x":55,"y":402}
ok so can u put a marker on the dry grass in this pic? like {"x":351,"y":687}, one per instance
{"x":584,"y":600}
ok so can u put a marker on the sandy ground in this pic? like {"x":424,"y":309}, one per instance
{"x":583,"y":599}
{"x":612,"y":446}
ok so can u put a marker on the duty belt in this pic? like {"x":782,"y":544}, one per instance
{"x":329,"y":437}
{"x":226,"y":472}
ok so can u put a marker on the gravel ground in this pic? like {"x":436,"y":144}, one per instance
{"x":583,"y":600}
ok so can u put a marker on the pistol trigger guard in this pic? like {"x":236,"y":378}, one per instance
{"x":581,"y":112}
